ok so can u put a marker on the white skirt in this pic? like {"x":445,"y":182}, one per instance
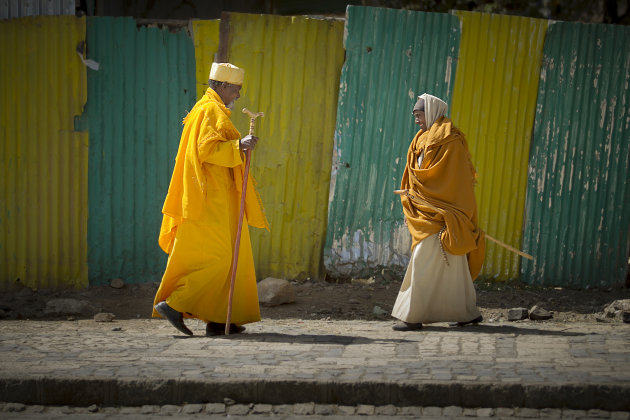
{"x":433,"y":291}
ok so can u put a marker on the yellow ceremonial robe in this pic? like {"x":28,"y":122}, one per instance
{"x":443,"y":188}
{"x":200,"y":219}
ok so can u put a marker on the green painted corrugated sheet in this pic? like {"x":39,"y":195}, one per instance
{"x":493,"y":104}
{"x":43,"y":174}
{"x":392,"y":56}
{"x":578,"y":190}
{"x":292,"y":67}
{"x":137,"y":100}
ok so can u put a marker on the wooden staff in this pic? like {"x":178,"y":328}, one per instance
{"x":248,"y":153}
{"x":496,"y":241}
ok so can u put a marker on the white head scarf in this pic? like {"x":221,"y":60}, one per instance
{"x":434,"y":108}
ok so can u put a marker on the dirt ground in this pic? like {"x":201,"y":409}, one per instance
{"x":358,"y":299}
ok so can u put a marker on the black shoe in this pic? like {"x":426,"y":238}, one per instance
{"x":461,"y":324}
{"x":215,"y":328}
{"x":174,"y":317}
{"x":407,"y":326}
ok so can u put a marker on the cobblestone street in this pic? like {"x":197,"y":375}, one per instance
{"x":556,"y":370}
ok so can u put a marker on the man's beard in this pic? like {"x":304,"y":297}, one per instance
{"x":230,"y":105}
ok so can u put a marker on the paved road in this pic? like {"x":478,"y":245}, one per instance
{"x":137,"y":363}
{"x":307,"y":411}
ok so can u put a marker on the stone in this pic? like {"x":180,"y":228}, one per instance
{"x":104,"y":317}
{"x":14,"y":407}
{"x":364,"y":282}
{"x":228,"y":401}
{"x":192,"y":408}
{"x":346,"y":410}
{"x":283,"y":409}
{"x":274,"y":292}
{"x":485,"y":412}
{"x":517,"y":314}
{"x":93,"y":408}
{"x":527,"y":413}
{"x":432,"y":411}
{"x":238,"y":410}
{"x":452,"y":411}
{"x":410,"y":411}
{"x":539,"y":314}
{"x":551,"y":413}
{"x":262,"y":409}
{"x":305,"y":409}
{"x":573,"y":414}
{"x":325,"y":409}
{"x":67,"y":410}
{"x":618,"y":309}
{"x":504,"y":412}
{"x":378,"y":311}
{"x":386,"y":410}
{"x":215,"y":408}
{"x":169,"y":409}
{"x":365,"y":410}
{"x":126,"y":411}
{"x":149,"y":409}
{"x":117,"y":283}
{"x":69,"y":307}
{"x":597,"y":413}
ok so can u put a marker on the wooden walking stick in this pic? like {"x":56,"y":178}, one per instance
{"x":496,"y":241}
{"x":248,"y":154}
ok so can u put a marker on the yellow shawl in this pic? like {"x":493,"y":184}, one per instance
{"x":207,"y":124}
{"x":443,"y":192}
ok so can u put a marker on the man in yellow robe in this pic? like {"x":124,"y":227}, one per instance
{"x":200,"y":216}
{"x":441,"y":214}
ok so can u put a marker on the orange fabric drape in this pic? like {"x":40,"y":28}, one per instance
{"x":443,"y":188}
{"x":207,"y":130}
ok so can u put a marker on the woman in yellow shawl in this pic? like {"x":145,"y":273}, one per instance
{"x":441,"y":214}
{"x":201,"y":213}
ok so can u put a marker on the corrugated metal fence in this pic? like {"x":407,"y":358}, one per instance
{"x":392,"y":56}
{"x":577,"y":182}
{"x":11,"y":9}
{"x":43,"y":181}
{"x":578,"y":189}
{"x":292,"y":74}
{"x":493,"y":104}
{"x":137,"y":100}
{"x":206,"y":41}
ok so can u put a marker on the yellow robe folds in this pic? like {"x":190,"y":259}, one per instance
{"x":442,"y":190}
{"x":201,"y":217}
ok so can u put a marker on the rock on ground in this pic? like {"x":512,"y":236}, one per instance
{"x":69,"y":307}
{"x":104,"y":317}
{"x":117,"y":283}
{"x":273,"y":292}
{"x":539,"y":314}
{"x":517,"y":314}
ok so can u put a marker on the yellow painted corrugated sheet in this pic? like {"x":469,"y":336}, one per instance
{"x":494,"y":101}
{"x":43,"y":197}
{"x":292,"y":68}
{"x":206,"y":41}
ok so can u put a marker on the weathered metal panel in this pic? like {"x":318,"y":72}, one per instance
{"x":11,"y":9}
{"x":137,"y":100}
{"x":292,"y":67}
{"x":493,"y":104}
{"x":206,"y":41}
{"x":392,"y":56}
{"x":578,"y":187}
{"x":43,"y":180}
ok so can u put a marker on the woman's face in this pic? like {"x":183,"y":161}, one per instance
{"x":420,"y":119}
